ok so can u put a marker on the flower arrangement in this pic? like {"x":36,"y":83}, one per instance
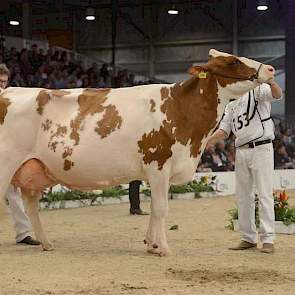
{"x":205,"y":183}
{"x":283,"y":212}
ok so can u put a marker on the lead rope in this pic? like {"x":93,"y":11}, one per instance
{"x":248,"y":106}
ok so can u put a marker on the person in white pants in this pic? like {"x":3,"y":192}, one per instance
{"x":249,"y":119}
{"x":21,"y":221}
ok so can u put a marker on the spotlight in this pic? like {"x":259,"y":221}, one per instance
{"x":173,"y":10}
{"x":90,"y":14}
{"x":14,"y":22}
{"x":262,"y":5}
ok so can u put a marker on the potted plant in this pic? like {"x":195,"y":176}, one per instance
{"x":205,"y":186}
{"x":184,"y":191}
{"x":202,"y":187}
{"x":284,"y":215}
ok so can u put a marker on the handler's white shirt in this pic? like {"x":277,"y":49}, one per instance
{"x":236,"y":120}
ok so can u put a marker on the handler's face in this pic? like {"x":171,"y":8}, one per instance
{"x":3,"y":81}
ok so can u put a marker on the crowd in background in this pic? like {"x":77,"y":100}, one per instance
{"x":56,"y":69}
{"x":59,"y":69}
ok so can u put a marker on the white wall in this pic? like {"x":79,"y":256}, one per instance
{"x":225,"y":181}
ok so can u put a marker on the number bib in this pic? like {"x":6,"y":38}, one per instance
{"x":246,"y":123}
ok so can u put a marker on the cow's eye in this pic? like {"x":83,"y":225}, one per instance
{"x":235,"y":62}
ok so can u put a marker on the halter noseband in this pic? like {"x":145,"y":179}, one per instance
{"x":255,"y":76}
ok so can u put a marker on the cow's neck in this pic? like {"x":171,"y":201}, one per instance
{"x":193,"y":111}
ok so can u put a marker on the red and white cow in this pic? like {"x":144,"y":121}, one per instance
{"x":91,"y":138}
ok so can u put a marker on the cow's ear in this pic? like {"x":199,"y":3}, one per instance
{"x":196,"y":70}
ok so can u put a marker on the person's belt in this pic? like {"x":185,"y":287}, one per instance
{"x":252,"y":144}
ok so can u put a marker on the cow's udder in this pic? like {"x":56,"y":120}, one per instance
{"x":33,"y":175}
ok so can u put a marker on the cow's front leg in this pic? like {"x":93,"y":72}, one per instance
{"x":156,"y":235}
{"x":31,"y":199}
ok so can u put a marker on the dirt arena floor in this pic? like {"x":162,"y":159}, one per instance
{"x":99,"y":250}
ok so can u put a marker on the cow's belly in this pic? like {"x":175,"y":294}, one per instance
{"x":95,"y":173}
{"x":93,"y":165}
{"x":35,"y":174}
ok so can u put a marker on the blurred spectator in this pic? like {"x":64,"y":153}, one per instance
{"x":282,"y":160}
{"x":213,"y":159}
{"x":223,"y":155}
{"x":34,"y":57}
{"x":17,"y":80}
{"x":104,"y":72}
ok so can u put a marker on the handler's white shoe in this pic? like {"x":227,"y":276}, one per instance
{"x":267,"y":248}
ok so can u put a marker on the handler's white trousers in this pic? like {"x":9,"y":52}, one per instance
{"x":21,"y":221}
{"x":254,"y":167}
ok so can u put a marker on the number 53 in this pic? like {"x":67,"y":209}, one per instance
{"x":241,"y":121}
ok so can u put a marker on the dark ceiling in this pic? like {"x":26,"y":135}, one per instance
{"x":40,"y":6}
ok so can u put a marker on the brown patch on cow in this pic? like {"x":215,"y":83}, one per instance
{"x":190,"y":117}
{"x":4,"y":103}
{"x":61,"y":131}
{"x":59,"y":93}
{"x":46,"y":125}
{"x":68,"y":165}
{"x":90,"y":102}
{"x":67,"y":152}
{"x":110,"y":122}
{"x":55,"y":137}
{"x":156,"y":146}
{"x":42,"y":99}
{"x":52,"y":145}
{"x":153,"y":106}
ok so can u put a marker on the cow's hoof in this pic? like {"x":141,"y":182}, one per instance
{"x":47,"y":247}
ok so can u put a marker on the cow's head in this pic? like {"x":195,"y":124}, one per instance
{"x":235,"y":75}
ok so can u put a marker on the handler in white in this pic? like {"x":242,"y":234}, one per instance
{"x":21,"y":221}
{"x":249,"y":119}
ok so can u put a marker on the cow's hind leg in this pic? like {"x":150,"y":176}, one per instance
{"x":156,"y":235}
{"x":31,"y":199}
